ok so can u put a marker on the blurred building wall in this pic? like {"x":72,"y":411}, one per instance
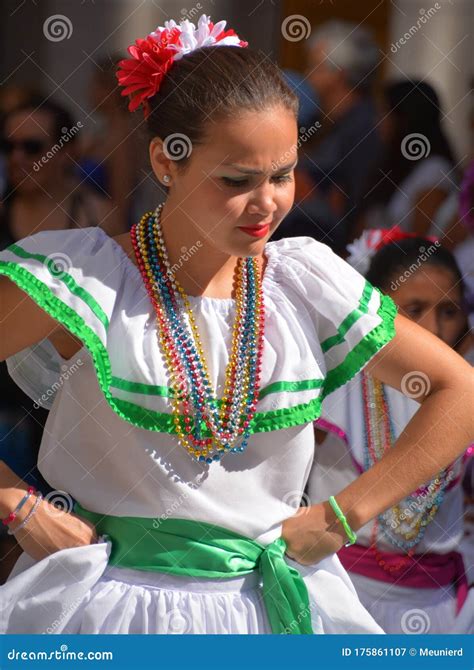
{"x":439,"y":50}
{"x":100,"y":27}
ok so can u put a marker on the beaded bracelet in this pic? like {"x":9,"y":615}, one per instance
{"x":340,"y":515}
{"x":39,"y":497}
{"x":12,"y":516}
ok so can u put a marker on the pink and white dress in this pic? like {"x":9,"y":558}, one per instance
{"x":431,"y":597}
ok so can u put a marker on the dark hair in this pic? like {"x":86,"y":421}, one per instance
{"x":62,"y":119}
{"x":213,"y":83}
{"x":395,"y":258}
{"x":414,"y":107}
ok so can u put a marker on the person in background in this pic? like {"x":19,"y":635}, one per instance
{"x":11,"y":96}
{"x":406,"y":566}
{"x":464,"y":251}
{"x":417,"y":172}
{"x":309,"y":108}
{"x":108,"y":161}
{"x":334,"y":165}
{"x":38,"y":140}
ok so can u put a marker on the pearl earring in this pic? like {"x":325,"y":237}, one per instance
{"x":166,"y":178}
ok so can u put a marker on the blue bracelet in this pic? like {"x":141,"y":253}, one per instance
{"x":39,"y":498}
{"x":12,"y":516}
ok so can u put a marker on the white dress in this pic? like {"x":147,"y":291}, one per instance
{"x":109,"y":442}
{"x":338,"y":461}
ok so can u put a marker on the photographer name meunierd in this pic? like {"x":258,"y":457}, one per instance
{"x":440,"y":652}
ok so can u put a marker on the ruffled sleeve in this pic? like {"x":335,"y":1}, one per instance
{"x":75,"y":276}
{"x":37,"y":371}
{"x":351,"y":319}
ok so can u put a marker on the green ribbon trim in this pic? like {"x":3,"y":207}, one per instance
{"x":67,"y":279}
{"x":350,"y":319}
{"x":163,"y":422}
{"x":262,"y":422}
{"x":206,"y":551}
{"x":366,"y":348}
{"x":167,"y":391}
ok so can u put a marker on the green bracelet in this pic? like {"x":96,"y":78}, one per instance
{"x":338,"y":512}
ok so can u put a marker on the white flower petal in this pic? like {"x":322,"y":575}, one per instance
{"x":192,"y":38}
{"x":362,"y":250}
{"x":202,"y":34}
{"x":218,"y":28}
{"x":170,"y":24}
{"x":230,"y":40}
{"x":204,"y":20}
{"x":187,"y":26}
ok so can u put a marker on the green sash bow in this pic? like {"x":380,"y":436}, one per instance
{"x":197,"y":549}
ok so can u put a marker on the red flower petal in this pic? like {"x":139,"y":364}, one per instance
{"x":132,"y":89}
{"x":151,"y":58}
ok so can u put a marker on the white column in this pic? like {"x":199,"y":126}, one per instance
{"x":433,"y":41}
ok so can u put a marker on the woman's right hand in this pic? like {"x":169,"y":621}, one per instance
{"x":313,"y":533}
{"x":51,"y":529}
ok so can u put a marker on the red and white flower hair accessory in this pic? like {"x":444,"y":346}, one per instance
{"x":362,"y":250}
{"x":153,"y":56}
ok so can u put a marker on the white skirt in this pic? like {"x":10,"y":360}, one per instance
{"x":75,"y":591}
{"x":399,"y":609}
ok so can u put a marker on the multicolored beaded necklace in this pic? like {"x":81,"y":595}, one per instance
{"x":206,"y":427}
{"x":404,"y":524}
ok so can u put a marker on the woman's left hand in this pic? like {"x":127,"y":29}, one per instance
{"x":312,"y":534}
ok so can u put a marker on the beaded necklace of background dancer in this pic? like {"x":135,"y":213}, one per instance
{"x":404,"y":525}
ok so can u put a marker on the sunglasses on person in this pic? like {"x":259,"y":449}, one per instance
{"x":30,"y":147}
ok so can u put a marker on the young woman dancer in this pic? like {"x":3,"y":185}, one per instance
{"x":205,"y":354}
{"x":406,"y":566}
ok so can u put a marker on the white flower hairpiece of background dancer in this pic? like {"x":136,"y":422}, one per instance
{"x":362,"y":250}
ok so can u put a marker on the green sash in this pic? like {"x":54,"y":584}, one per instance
{"x":197,"y":549}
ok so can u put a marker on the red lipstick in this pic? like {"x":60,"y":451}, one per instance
{"x":256,"y":231}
